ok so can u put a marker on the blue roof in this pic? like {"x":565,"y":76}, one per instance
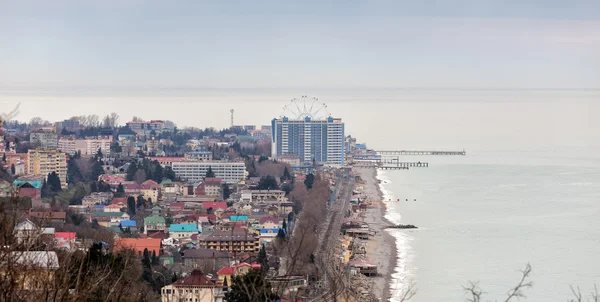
{"x":183,"y":228}
{"x":128,"y":223}
{"x":238,"y":218}
{"x":266,"y":231}
{"x":200,"y":152}
{"x":99,"y":206}
{"x":34,"y":183}
{"x":360,"y":146}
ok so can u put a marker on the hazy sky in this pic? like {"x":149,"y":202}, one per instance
{"x":144,"y":45}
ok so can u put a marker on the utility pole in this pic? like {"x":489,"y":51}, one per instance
{"x":231,"y":117}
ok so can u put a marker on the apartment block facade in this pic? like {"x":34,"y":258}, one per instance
{"x":46,"y":161}
{"x":195,"y":171}
{"x":311,"y":140}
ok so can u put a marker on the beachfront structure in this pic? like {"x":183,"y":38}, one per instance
{"x":311,"y":140}
{"x":195,"y":171}
{"x":46,"y":161}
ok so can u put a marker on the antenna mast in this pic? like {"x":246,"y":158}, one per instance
{"x":231,"y":117}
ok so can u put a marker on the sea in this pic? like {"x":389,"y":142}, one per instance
{"x":484,"y":216}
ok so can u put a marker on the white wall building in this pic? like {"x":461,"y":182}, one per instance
{"x":195,"y":171}
{"x":90,"y":146}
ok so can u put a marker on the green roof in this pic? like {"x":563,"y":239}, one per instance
{"x":109,"y":214}
{"x":154,"y":220}
{"x":166,"y":182}
{"x":156,"y":208}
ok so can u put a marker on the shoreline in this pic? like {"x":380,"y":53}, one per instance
{"x":381,"y":248}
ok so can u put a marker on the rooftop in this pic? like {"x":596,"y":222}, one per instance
{"x":183,"y":228}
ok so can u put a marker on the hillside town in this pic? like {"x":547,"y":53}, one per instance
{"x":92,"y":208}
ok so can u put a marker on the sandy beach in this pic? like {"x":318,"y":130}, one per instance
{"x":381,"y":248}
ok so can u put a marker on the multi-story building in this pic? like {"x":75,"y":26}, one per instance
{"x":154,"y":224}
{"x":69,"y":125}
{"x":46,"y":139}
{"x":242,"y":240}
{"x":263,"y":196}
{"x":46,"y":161}
{"x":249,"y":127}
{"x":145,"y":128}
{"x":67,"y":144}
{"x":196,"y":287}
{"x":199,"y":155}
{"x":90,"y":146}
{"x":195,"y":171}
{"x":311,"y":140}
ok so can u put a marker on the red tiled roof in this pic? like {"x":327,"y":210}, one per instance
{"x":177,"y":205}
{"x":214,"y":205}
{"x":228,"y":270}
{"x":197,"y":278}
{"x":213,"y":181}
{"x":119,"y":199}
{"x":132,"y":186}
{"x":211,"y":217}
{"x":149,"y":184}
{"x":268,"y":218}
{"x":65,"y":235}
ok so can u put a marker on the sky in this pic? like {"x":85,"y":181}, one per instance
{"x":156,"y":46}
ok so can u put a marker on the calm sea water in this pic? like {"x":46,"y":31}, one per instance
{"x":483,"y":217}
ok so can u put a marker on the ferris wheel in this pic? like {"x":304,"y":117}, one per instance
{"x":303,"y":107}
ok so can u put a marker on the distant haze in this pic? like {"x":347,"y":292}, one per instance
{"x":467,"y":73}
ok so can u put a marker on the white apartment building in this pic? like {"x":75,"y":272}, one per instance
{"x":44,"y":139}
{"x":195,"y":171}
{"x":90,"y":146}
{"x":67,"y":145}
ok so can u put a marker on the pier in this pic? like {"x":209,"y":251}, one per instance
{"x":415,"y":152}
{"x":392,"y":164}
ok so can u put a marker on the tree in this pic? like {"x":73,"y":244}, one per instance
{"x":267,"y":183}
{"x":284,"y":225}
{"x":13,"y":170}
{"x":210,"y":173}
{"x":120,"y":191}
{"x":4,"y":157}
{"x":54,"y":183}
{"x":45,"y":190}
{"x":154,"y":258}
{"x":131,"y":170}
{"x":281,"y":234}
{"x":97,"y":170}
{"x":226,"y":191}
{"x":286,"y":175}
{"x":169,"y":173}
{"x":131,"y":206}
{"x":250,"y":287}
{"x":309,"y":181}
{"x":263,"y":259}
{"x":140,"y":201}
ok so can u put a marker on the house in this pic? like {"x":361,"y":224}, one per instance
{"x":169,"y":187}
{"x":112,"y":208}
{"x":120,"y":201}
{"x":32,"y":270}
{"x":129,"y":224}
{"x":268,"y":235}
{"x":210,"y":187}
{"x":238,"y":270}
{"x":262,"y":196}
{"x":196,"y":287}
{"x":28,"y":190}
{"x":150,"y":190}
{"x":30,"y":233}
{"x":65,"y":240}
{"x":49,"y":217}
{"x":154,"y":224}
{"x":132,"y":189}
{"x":269,"y":222}
{"x":182,"y":231}
{"x":96,"y":198}
{"x":156,"y":210}
{"x":231,"y":241}
{"x":289,"y":284}
{"x":205,"y":259}
{"x":138,"y":245}
{"x":214,"y":205}
{"x":108,"y":219}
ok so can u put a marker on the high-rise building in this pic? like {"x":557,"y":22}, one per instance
{"x":46,"y":161}
{"x":311,"y":140}
{"x":90,"y":146}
